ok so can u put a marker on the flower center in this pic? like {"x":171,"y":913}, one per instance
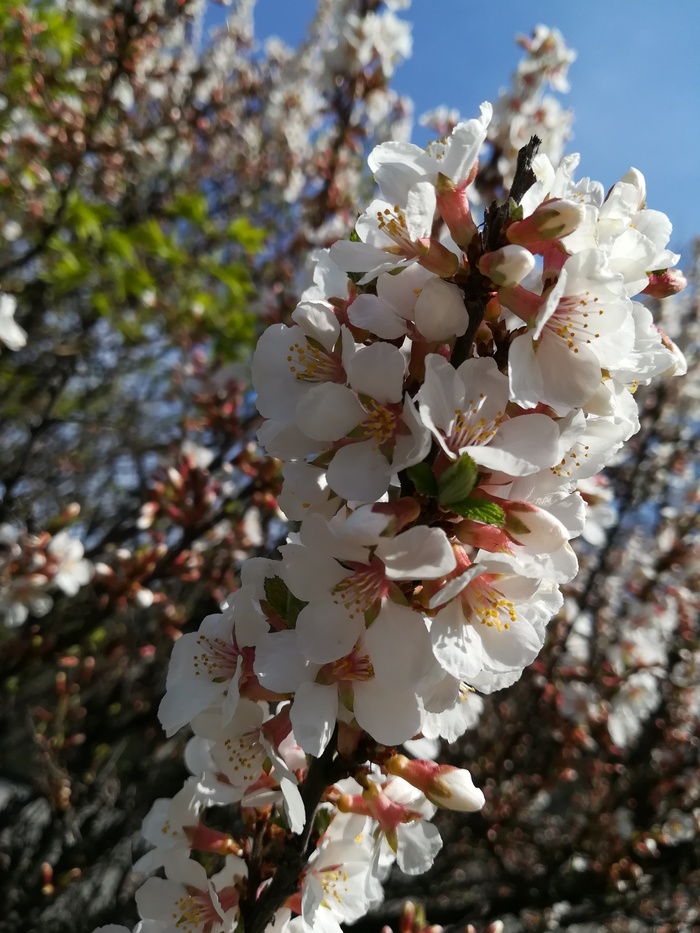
{"x":393,"y":224}
{"x":196,"y":912}
{"x":354,"y":666}
{"x":311,"y":362}
{"x":489,"y":606}
{"x":575,"y":319}
{"x":381,"y":423}
{"x":217,"y":659}
{"x":360,"y":592}
{"x":471,"y":430}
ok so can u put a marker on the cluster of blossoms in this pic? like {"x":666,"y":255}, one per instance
{"x":442,"y":390}
{"x":32,"y":566}
{"x":12,"y":335}
{"x":525,"y":109}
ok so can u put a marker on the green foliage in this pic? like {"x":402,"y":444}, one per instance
{"x":282,"y":601}
{"x":457,"y":481}
{"x":480,"y":510}
{"x":179,"y":270}
{"x":423,"y":478}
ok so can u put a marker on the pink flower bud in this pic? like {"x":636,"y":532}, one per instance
{"x":445,"y":786}
{"x":402,"y":512}
{"x":436,"y":258}
{"x":553,"y":219}
{"x":453,"y":204}
{"x":204,"y":839}
{"x":175,"y":478}
{"x":508,"y":266}
{"x":666,"y":283}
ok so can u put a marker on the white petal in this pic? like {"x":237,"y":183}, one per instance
{"x":359,"y":471}
{"x":313,"y":716}
{"x":391,"y":716}
{"x":327,"y":630}
{"x":378,"y":371}
{"x":419,"y":843}
{"x":456,"y":645}
{"x":328,"y":412}
{"x":419,"y":553}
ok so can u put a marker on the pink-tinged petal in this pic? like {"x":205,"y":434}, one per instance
{"x":327,"y":630}
{"x":285,"y":441}
{"x":454,"y":587}
{"x":309,"y":572}
{"x":311,"y":899}
{"x":522,"y":445}
{"x":440,"y":312}
{"x":399,"y":646}
{"x":456,"y":645}
{"x":280,"y":665}
{"x":550,"y":304}
{"x":378,"y":371}
{"x":441,"y":394}
{"x":251,"y":625}
{"x":464,"y":144}
{"x":359,"y":471}
{"x":376,"y":316}
{"x":419,"y":553}
{"x":516,"y":646}
{"x":293,"y":805}
{"x":389,"y":715}
{"x":396,"y":166}
{"x":420,"y":210}
{"x":328,"y":412}
{"x":419,"y":843}
{"x":363,"y":257}
{"x":569,"y":378}
{"x":278,"y":391}
{"x":524,"y":374}
{"x":483,"y":383}
{"x":313,"y":715}
{"x":345,"y":537}
{"x":543,"y":533}
{"x":414,"y":447}
{"x":156,"y":898}
{"x":317,"y":319}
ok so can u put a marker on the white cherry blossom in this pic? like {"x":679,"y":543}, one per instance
{"x":465,"y":410}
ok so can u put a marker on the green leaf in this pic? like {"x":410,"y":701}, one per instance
{"x":423,"y":478}
{"x":282,"y":601}
{"x":480,"y":510}
{"x":251,"y":238}
{"x":234,"y":277}
{"x":457,"y":481}
{"x":516,"y":210}
{"x":192,"y":207}
{"x":120,"y":244}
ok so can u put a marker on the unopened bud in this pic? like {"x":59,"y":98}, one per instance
{"x":666,"y":283}
{"x":204,"y":839}
{"x":143,"y":598}
{"x":436,"y":258}
{"x":508,"y":266}
{"x":402,"y":512}
{"x":453,"y":205}
{"x":71,"y":512}
{"x":533,"y":527}
{"x":553,"y":219}
{"x":175,"y":478}
{"x":445,"y":786}
{"x":635,"y":178}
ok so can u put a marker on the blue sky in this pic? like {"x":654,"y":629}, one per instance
{"x":635,"y":86}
